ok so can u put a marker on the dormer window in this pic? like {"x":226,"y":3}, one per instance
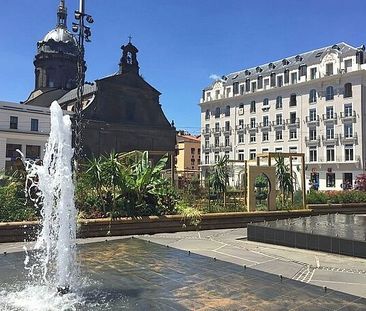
{"x":273,"y":79}
{"x":271,"y":66}
{"x":298,"y":58}
{"x":258,"y":69}
{"x":247,"y":72}
{"x":285,"y":62}
{"x":260,"y":82}
{"x":329,"y":69}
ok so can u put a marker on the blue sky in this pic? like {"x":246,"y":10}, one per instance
{"x":181,"y":42}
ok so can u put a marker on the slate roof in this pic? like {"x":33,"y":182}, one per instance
{"x":291,"y":63}
{"x":71,"y":95}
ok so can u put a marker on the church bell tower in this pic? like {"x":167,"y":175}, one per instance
{"x":128,"y":62}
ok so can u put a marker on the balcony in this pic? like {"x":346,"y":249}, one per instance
{"x":349,"y":139}
{"x":293,"y":122}
{"x":312,"y":121}
{"x":206,"y":132}
{"x":265,"y":126}
{"x":215,"y":148}
{"x":206,"y":149}
{"x":311,"y":141}
{"x":251,"y":128}
{"x":240,"y":128}
{"x":348,"y":116}
{"x":228,"y":147}
{"x":330,"y":118}
{"x":280,"y":124}
{"x":216,"y":131}
{"x":226,"y":130}
{"x":330,"y":140}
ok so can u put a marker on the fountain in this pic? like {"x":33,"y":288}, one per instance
{"x":51,"y":265}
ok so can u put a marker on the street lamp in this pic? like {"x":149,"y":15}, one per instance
{"x":83,"y":35}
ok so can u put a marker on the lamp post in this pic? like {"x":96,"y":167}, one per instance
{"x":83,"y":35}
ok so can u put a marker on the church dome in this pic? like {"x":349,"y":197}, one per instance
{"x":60,"y":34}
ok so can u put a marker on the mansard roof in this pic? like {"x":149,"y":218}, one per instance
{"x":292,"y":62}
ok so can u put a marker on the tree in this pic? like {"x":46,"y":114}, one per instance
{"x":219,"y":178}
{"x":284,"y":178}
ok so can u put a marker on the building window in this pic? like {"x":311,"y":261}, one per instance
{"x":329,"y":131}
{"x":252,"y":137}
{"x":278,"y":119}
{"x":279,"y":135}
{"x":227,"y":126}
{"x":208,"y":96}
{"x":207,"y":158}
{"x":236,"y":88}
{"x":265,"y":121}
{"x":313,"y":73}
{"x":348,"y":130}
{"x":292,"y":149}
{"x":329,"y":93}
{"x":241,"y":124}
{"x":266,"y":83}
{"x":302,"y":70}
{"x":265,"y":102}
{"x":241,"y":89}
{"x":348,"y":110}
{"x":287,"y":76}
{"x":11,"y":150}
{"x":312,"y":115}
{"x":348,"y":65}
{"x":273,"y":79}
{"x":293,"y":77}
{"x":252,"y":106}
{"x":313,"y":154}
{"x":247,"y":85}
{"x":292,"y":100}
{"x":347,"y":90}
{"x":329,"y":113}
{"x":260,"y":82}
{"x":228,"y":91}
{"x":252,"y":123}
{"x":279,"y":102}
{"x":227,"y":111}
{"x":217,"y":112}
{"x":34,"y":125}
{"x":207,"y":115}
{"x":217,"y":157}
{"x":217,"y":94}
{"x":292,"y":117}
{"x":293,"y":133}
{"x":241,"y":155}
{"x":330,"y":153}
{"x":265,"y":136}
{"x":227,"y":141}
{"x":254,"y":86}
{"x":312,"y":133}
{"x":280,"y":81}
{"x":13,"y":122}
{"x":329,"y":69}
{"x":252,"y":154}
{"x":217,"y":127}
{"x":217,"y":142}
{"x":207,"y":143}
{"x":330,"y":180}
{"x":348,"y":152}
{"x":312,"y":96}
{"x":278,"y":149}
{"x":241,"y":138}
{"x":193,"y":150}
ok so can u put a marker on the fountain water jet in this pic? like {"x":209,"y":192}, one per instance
{"x":56,"y":250}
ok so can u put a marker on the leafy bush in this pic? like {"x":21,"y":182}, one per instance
{"x":334,"y":197}
{"x":13,"y":204}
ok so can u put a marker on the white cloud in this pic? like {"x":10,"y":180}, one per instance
{"x":215,"y":77}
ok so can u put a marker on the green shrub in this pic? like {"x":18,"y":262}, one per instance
{"x":317,"y":197}
{"x":13,"y":204}
{"x":336,"y":197}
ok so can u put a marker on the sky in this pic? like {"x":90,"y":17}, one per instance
{"x":181,"y":42}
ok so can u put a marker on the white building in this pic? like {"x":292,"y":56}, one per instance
{"x":22,"y":127}
{"x":312,"y":103}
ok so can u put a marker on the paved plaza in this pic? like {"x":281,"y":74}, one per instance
{"x":207,"y":270}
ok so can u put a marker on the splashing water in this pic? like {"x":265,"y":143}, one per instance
{"x":52,"y":265}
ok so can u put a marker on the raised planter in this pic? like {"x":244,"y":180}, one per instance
{"x":26,"y":231}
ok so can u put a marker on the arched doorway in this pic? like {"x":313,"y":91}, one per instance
{"x":262,"y":188}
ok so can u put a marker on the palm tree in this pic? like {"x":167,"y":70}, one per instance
{"x":219,"y":179}
{"x":284,"y":178}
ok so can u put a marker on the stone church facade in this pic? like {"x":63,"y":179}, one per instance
{"x":121,"y":112}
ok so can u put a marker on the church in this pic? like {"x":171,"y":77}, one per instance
{"x":121,"y":112}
